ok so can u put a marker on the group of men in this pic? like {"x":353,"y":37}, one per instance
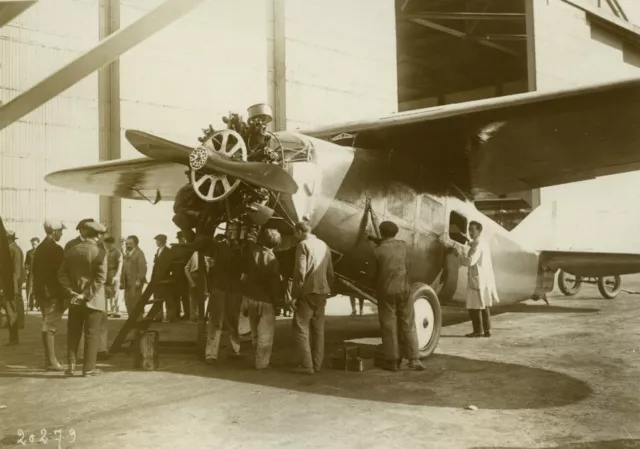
{"x":84,"y":276}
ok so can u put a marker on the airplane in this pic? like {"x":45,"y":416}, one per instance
{"x":421,"y":169}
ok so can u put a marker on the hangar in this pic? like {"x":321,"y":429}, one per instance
{"x":314,"y":62}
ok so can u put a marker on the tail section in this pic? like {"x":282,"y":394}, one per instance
{"x":537,"y":230}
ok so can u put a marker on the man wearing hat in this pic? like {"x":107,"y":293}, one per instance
{"x":181,"y":256}
{"x":83,"y":275}
{"x":161,"y":280}
{"x":28,"y":267}
{"x":81,"y":230}
{"x":134,"y":273}
{"x":47,"y":289}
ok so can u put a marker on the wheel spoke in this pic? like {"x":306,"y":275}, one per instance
{"x":201,"y":181}
{"x":225,"y":183}
{"x":225,"y":141}
{"x":212,"y":187}
{"x":234,"y":149}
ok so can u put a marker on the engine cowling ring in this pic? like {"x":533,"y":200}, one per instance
{"x":226,"y":143}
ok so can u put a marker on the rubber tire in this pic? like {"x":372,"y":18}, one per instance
{"x":420,"y":290}
{"x":563,"y":287}
{"x":603,"y":291}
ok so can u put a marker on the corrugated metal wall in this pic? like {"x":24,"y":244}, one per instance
{"x":59,"y":134}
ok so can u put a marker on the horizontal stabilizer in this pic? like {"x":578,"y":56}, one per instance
{"x":591,"y":264}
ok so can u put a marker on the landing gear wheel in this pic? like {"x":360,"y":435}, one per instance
{"x":428,"y":318}
{"x":610,"y":286}
{"x":226,"y":143}
{"x":569,"y":284}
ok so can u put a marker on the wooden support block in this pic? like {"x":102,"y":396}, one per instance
{"x":146,"y":351}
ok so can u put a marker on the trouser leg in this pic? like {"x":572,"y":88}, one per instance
{"x":316,"y":325}
{"x":300,"y":323}
{"x":75,"y":322}
{"x":92,"y":320}
{"x":103,"y":338}
{"x":476,"y":321}
{"x":215,"y":323}
{"x":388,"y":326}
{"x":52,"y":316}
{"x":232,"y":320}
{"x":486,"y":320}
{"x":407,"y":327}
{"x":265,"y":329}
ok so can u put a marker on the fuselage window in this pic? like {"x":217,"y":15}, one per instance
{"x":458,"y":227}
{"x":401,"y":201}
{"x":432,"y":215}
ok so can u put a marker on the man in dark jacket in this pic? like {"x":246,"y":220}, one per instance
{"x":7,"y":291}
{"x":394,"y":308}
{"x":82,"y":234}
{"x":161,"y":279}
{"x":181,"y":254}
{"x":262,"y":285}
{"x":28,"y":268}
{"x":48,"y":291}
{"x":83,"y":275}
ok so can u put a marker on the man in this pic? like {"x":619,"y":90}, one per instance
{"x":48,"y":291}
{"x":19,"y":275}
{"x":81,"y":231}
{"x":394,"y":307}
{"x":134,"y":273}
{"x":192,"y":272}
{"x":82,"y":275}
{"x":188,"y":208}
{"x":181,"y":255}
{"x":312,"y":281}
{"x":8,"y":285}
{"x":28,"y":262}
{"x":262,"y":284}
{"x":161,"y":278}
{"x":114,"y":261}
{"x":225,"y":300}
{"x":481,"y":284}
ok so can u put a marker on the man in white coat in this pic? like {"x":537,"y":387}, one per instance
{"x":481,"y":283}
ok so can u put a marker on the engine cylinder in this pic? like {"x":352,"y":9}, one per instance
{"x":260,"y":111}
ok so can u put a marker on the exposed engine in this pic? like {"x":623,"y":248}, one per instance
{"x":220,"y":199}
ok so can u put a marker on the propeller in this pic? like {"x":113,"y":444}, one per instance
{"x":268,"y":176}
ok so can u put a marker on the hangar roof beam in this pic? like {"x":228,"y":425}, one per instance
{"x":464,"y":16}
{"x":9,"y":10}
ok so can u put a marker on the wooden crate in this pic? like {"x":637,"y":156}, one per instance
{"x":146,"y":353}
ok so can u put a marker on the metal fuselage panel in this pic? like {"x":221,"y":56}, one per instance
{"x":399,"y":190}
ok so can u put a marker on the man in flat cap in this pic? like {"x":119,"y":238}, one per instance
{"x":161,"y":279}
{"x":82,"y":275}
{"x":48,"y":292}
{"x":82,"y":234}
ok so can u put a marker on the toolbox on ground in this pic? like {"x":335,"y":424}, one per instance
{"x":353,"y":358}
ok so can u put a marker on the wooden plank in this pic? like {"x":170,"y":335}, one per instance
{"x":146,"y":356}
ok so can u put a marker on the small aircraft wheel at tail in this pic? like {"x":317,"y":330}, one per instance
{"x":569,"y":284}
{"x":428,"y":317}
{"x":610,"y":286}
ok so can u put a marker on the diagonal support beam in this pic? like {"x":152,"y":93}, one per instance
{"x":9,"y":10}
{"x":102,"y":54}
{"x":460,"y":34}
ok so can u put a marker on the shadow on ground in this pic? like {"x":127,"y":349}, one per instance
{"x":448,"y":381}
{"x":609,"y":444}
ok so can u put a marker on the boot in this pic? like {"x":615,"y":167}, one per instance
{"x":475,"y":316}
{"x":14,"y":339}
{"x":486,"y":322}
{"x":71,"y":369}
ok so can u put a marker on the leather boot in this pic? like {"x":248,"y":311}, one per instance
{"x":486,"y":321}
{"x":475,"y":316}
{"x":14,"y":339}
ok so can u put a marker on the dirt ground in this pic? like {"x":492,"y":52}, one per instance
{"x":563,"y":375}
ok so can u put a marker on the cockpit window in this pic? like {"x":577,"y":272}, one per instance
{"x":458,"y":228}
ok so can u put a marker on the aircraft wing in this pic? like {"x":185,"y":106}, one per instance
{"x":514,"y":143}
{"x":141,"y":178}
{"x":591,"y":264}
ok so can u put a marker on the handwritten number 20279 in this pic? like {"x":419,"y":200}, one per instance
{"x":57,"y":434}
